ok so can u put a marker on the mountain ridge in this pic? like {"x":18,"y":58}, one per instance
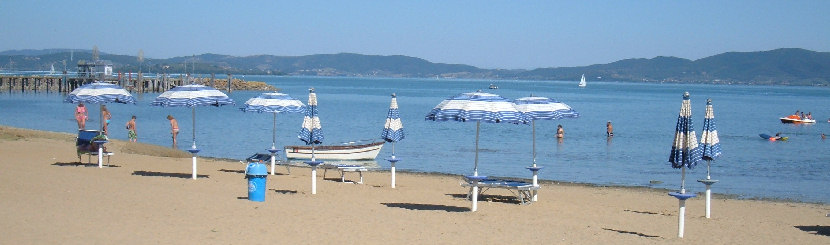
{"x":784,"y":66}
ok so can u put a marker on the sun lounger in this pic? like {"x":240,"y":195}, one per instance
{"x":343,"y":169}
{"x":522,"y":190}
{"x":85,"y":145}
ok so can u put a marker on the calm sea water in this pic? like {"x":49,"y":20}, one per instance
{"x":644,"y":117}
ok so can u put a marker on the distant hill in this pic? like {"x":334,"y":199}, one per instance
{"x":789,"y":66}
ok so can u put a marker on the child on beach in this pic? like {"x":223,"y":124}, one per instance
{"x":131,"y":133}
{"x":81,"y":116}
{"x":107,"y":117}
{"x":174,"y":128}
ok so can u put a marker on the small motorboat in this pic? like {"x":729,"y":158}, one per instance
{"x":796,"y":119}
{"x":493,"y":86}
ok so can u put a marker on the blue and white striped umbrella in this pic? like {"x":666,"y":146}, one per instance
{"x":393,"y":128}
{"x":312,"y":132}
{"x":542,"y":108}
{"x":478,"y":107}
{"x":709,"y":142}
{"x":99,"y":93}
{"x":274,"y":103}
{"x":192,"y":95}
{"x":685,"y":151}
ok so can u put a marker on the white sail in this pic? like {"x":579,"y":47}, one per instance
{"x":582,"y":81}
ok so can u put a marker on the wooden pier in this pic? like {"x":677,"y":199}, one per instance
{"x":139,"y":84}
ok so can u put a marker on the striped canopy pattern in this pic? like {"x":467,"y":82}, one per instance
{"x":393,"y":128}
{"x":275,"y":103}
{"x":98,"y":93}
{"x":685,"y":151}
{"x":312,"y":132}
{"x":709,"y":142}
{"x":192,"y":95}
{"x":476,"y":106}
{"x":542,"y":108}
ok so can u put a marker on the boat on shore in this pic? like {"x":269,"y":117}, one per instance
{"x":335,"y":152}
{"x":796,"y":119}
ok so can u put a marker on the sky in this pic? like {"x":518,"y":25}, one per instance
{"x":485,"y":34}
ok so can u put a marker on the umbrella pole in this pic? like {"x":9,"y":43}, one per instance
{"x":193,"y":113}
{"x":533,"y":125}
{"x":313,"y":170}
{"x":475,"y":169}
{"x":392,"y":162}
{"x":100,"y":147}
{"x":273,"y":144}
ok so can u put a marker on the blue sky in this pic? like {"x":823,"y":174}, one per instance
{"x":486,"y":34}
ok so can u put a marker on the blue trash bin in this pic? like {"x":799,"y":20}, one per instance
{"x":256,"y":173}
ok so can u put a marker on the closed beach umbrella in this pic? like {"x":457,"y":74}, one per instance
{"x":192,"y":95}
{"x":312,"y":134}
{"x":393,"y":132}
{"x":476,"y":107}
{"x":100,"y":93}
{"x":542,"y":108}
{"x":273,"y":103}
{"x":685,"y":153}
{"x":710,"y":147}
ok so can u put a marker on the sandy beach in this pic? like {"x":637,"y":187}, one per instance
{"x":147,"y":196}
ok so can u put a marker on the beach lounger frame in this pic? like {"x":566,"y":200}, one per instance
{"x":343,"y":169}
{"x":523,"y":191}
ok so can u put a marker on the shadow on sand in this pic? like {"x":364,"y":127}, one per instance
{"x":80,"y":164}
{"x":629,"y":232}
{"x":426,"y":207}
{"x":174,"y":175}
{"x":815,"y":229}
{"x":490,"y":198}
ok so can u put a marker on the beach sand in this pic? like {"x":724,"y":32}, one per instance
{"x":47,"y":197}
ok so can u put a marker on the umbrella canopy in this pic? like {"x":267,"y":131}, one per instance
{"x":100,"y":92}
{"x":312,"y":132}
{"x":542,"y":108}
{"x":478,"y":107}
{"x":192,"y":95}
{"x":685,"y":151}
{"x":709,"y":142}
{"x":274,"y":102}
{"x":393,"y":128}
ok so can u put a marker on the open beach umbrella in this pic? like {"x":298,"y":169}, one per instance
{"x":192,"y":95}
{"x":100,"y":93}
{"x":476,"y":107}
{"x":393,"y":132}
{"x":542,"y":108}
{"x":710,"y":147}
{"x":273,"y":103}
{"x":312,"y":134}
{"x":685,"y":153}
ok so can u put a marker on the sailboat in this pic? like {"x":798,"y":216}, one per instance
{"x":582,"y":81}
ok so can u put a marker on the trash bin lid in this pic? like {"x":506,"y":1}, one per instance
{"x":256,"y":169}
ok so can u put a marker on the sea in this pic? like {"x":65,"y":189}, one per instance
{"x":644,"y":116}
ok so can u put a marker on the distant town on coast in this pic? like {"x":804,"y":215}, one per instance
{"x":786,"y":66}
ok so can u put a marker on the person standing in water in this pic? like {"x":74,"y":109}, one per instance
{"x":609,"y":129}
{"x":81,"y":116}
{"x":107,"y":117}
{"x":560,"y":133}
{"x":174,"y":128}
{"x":131,"y":133}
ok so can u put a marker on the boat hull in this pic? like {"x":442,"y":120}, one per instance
{"x":335,"y":152}
{"x":795,"y":119}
